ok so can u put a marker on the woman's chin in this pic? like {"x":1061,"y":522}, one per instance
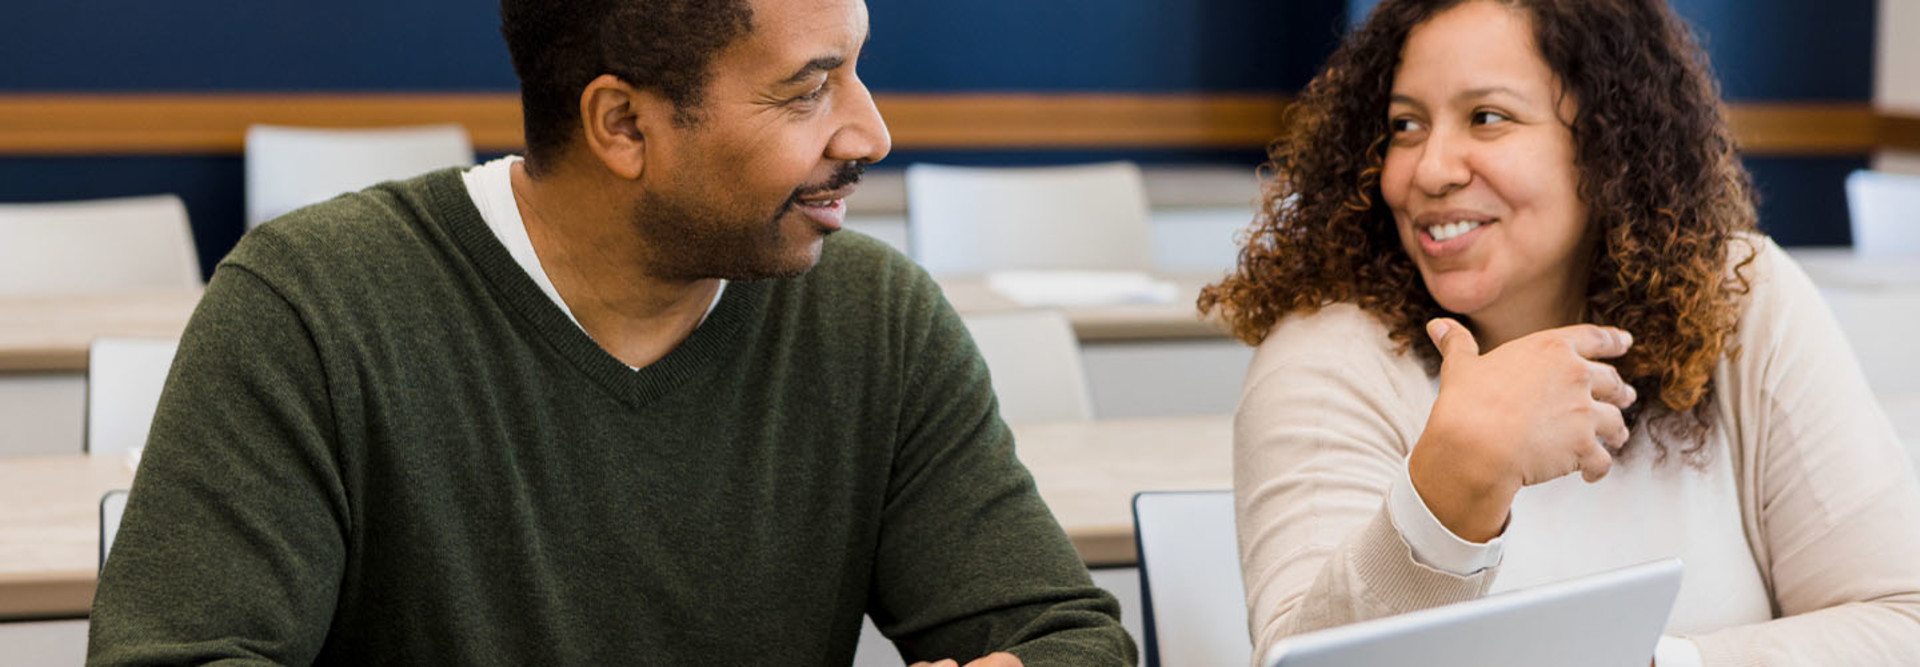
{"x":1465,"y":297}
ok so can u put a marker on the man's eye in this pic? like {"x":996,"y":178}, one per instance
{"x":813,"y":95}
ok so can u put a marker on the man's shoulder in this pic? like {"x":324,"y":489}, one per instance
{"x":849,"y":251}
{"x":371,"y":233}
{"x":857,"y":267}
{"x":861,"y":288}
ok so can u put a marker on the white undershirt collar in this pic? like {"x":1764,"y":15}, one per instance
{"x":491,"y":187}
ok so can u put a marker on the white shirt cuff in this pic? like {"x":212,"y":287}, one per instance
{"x":1676,"y":652}
{"x":1433,"y":545}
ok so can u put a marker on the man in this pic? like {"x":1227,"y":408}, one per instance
{"x":625,"y":402}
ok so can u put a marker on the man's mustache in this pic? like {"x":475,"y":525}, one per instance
{"x":848,"y":174}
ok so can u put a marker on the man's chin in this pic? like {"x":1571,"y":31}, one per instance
{"x":790,"y":264}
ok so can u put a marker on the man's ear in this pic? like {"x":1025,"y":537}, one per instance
{"x":616,"y":120}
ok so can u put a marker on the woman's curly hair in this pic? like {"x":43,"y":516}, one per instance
{"x":1658,"y":169}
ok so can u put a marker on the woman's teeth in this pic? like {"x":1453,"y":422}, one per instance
{"x":1451,"y":230}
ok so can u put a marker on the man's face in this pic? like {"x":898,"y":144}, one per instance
{"x":752,"y":188}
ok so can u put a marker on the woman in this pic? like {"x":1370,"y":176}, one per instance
{"x":1508,"y":241}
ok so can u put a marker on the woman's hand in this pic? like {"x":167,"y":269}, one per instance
{"x":1531,"y":411}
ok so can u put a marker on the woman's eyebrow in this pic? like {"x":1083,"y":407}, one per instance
{"x":1487,"y":91}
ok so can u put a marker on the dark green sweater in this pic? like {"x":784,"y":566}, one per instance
{"x":381,"y":443}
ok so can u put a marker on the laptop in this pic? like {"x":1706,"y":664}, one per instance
{"x":1611,"y":619}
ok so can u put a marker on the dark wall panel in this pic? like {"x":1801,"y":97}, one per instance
{"x":1127,"y":46}
{"x":271,"y":45}
{"x":1776,"y":49}
{"x":195,"y":45}
{"x":211,"y":186}
{"x":1803,"y":201}
{"x":1763,"y":49}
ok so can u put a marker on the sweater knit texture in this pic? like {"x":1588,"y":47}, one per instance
{"x":380,"y":443}
{"x":1829,"y":507}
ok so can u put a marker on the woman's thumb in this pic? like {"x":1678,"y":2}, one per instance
{"x":1451,"y":338}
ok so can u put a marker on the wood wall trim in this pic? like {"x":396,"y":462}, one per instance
{"x":142,"y":124}
{"x":215,"y":123}
{"x":1805,"y":129}
{"x":1083,"y":121}
{"x":1900,"y":132}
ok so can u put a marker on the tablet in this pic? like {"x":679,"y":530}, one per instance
{"x":1611,"y":619}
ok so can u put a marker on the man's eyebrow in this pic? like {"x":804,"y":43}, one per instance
{"x":821,"y":64}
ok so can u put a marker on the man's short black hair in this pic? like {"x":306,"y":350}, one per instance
{"x":559,"y":46}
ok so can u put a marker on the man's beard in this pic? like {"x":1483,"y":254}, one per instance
{"x":690,"y":238}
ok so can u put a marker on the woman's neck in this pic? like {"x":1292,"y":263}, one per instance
{"x":1528,"y":313}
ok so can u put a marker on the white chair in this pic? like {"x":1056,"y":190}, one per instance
{"x":1885,"y":212}
{"x":1195,"y":604}
{"x":291,"y":167}
{"x":101,"y":245}
{"x":113,"y":505}
{"x":124,"y":378}
{"x":45,"y":643}
{"x":1034,"y":358}
{"x":969,"y":220}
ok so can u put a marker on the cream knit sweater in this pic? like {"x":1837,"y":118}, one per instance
{"x":1829,"y":503}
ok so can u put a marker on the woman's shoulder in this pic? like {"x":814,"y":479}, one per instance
{"x":1337,"y":338}
{"x":1344,"y":323}
{"x":1773,"y":288}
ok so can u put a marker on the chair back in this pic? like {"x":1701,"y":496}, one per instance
{"x":102,"y":245}
{"x":970,"y":220}
{"x":1034,"y":358}
{"x":291,"y":167}
{"x":124,"y":379}
{"x":1194,"y":603}
{"x":1884,"y":209}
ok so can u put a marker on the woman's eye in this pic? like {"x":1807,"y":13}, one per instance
{"x":1402,"y":124}
{"x":1488,"y":117}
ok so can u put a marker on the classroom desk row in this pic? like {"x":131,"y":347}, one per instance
{"x":51,"y":333}
{"x":1141,"y":360}
{"x":1086,"y":471}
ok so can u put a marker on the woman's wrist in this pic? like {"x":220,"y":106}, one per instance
{"x":1471,"y":498}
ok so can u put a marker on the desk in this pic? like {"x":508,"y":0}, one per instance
{"x":43,"y":359}
{"x":51,"y":333}
{"x":1840,"y":268}
{"x":1087,"y":472}
{"x":1176,"y":319}
{"x":1141,"y":359}
{"x":44,"y":333}
{"x":50,"y":532}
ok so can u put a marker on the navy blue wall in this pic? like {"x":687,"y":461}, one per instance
{"x":431,"y":45}
{"x":1776,"y":50}
{"x":272,"y":45}
{"x":446,"y":45}
{"x":1761,"y":48}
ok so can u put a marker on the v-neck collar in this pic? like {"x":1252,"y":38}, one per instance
{"x":705,"y":348}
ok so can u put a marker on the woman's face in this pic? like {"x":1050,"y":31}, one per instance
{"x":1480,"y":171}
